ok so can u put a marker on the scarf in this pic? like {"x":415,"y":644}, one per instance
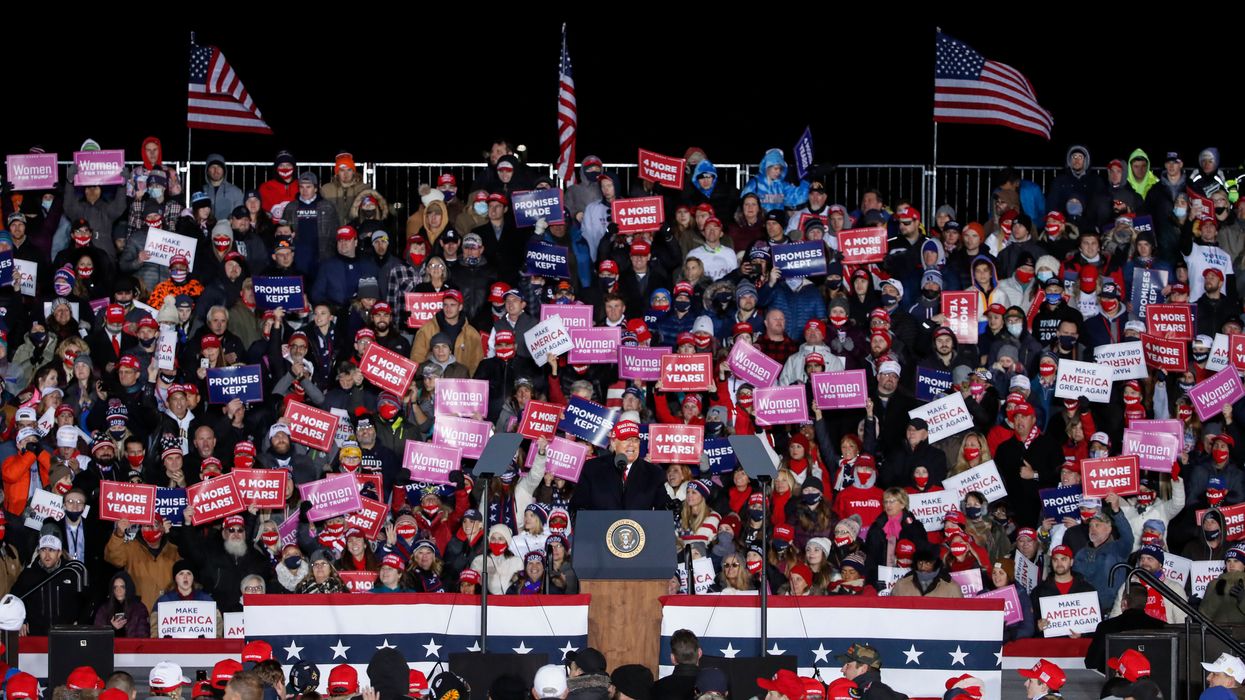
{"x":1033,"y":434}
{"x":739,"y":499}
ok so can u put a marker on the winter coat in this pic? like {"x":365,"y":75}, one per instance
{"x":389,"y":675}
{"x":1094,"y":563}
{"x":775,"y":194}
{"x":152,"y":572}
{"x":137,"y":618}
{"x":799,"y":306}
{"x":57,"y":603}
{"x":943,"y":587}
{"x":1220,"y":605}
{"x":316,"y":219}
{"x":468,"y":349}
{"x":343,"y":197}
{"x":338,"y":279}
{"x":101,"y":215}
{"x":501,"y":569}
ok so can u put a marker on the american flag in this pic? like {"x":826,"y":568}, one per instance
{"x":969,"y":89}
{"x":217,"y":99}
{"x":567,"y":119}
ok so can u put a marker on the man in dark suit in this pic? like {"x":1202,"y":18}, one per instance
{"x":620,"y":481}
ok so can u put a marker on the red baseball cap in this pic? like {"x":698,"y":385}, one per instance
{"x":23,"y":686}
{"x":1132,"y":665}
{"x":908,"y":211}
{"x":685,"y":339}
{"x":382,"y":307}
{"x":1062,"y":550}
{"x":115,"y":314}
{"x":955,"y":516}
{"x":503,"y":336}
{"x":148,"y":322}
{"x":347,"y":233}
{"x":786,"y":533}
{"x":905,"y":549}
{"x":641,"y":248}
{"x":713,"y":220}
{"x":608,"y":265}
{"x":815,"y":357}
{"x":817,"y":324}
{"x":843,"y":689}
{"x":84,"y":678}
{"x":497,"y":291}
{"x":742,"y":328}
{"x":1047,"y":673}
{"x":128,"y":361}
{"x":343,"y":680}
{"x":705,"y":207}
{"x":224,"y":671}
{"x":209,"y":341}
{"x":179,"y":260}
{"x":497,"y":197}
{"x":418,"y":682}
{"x":785,"y":682}
{"x":813,"y":688}
{"x":640,"y":328}
{"x":393,"y":561}
{"x":452,"y":294}
{"x":684,"y":288}
{"x":626,"y":430}
{"x":1024,"y":408}
{"x":238,"y":521}
{"x":447,"y":179}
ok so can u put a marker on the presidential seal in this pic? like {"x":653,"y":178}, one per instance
{"x":625,"y":538}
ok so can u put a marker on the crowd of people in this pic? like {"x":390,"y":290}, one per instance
{"x":86,"y":399}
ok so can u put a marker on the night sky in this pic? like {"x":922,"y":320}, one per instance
{"x":432,"y":88}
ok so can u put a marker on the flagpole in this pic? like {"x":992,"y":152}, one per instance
{"x":189,"y":132}
{"x":933,"y":176}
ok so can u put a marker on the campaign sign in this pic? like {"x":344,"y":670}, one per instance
{"x":1176,"y":570}
{"x":388,"y":370}
{"x":548,"y":338}
{"x":186,"y":619}
{"x":163,"y":245}
{"x":1157,"y":451}
{"x":262,"y":488}
{"x":640,"y":362}
{"x":705,"y":575}
{"x":26,"y":275}
{"x":540,"y":420}
{"x":1147,"y":289}
{"x":1233,"y":519}
{"x":310,"y":426}
{"x":7,"y":270}
{"x":467,"y":434}
{"x":860,"y":246}
{"x":588,"y":421}
{"x":1164,"y":354}
{"x":1203,"y":258}
{"x":1218,"y":359}
{"x":803,"y":153}
{"x":369,"y":484}
{"x":214,"y":499}
{"x":1127,"y":359}
{"x":120,"y":500}
{"x":171,"y":505}
{"x":962,"y":313}
{"x":166,"y":349}
{"x":721,"y":455}
{"x":534,"y":205}
{"x":359,"y":581}
{"x":931,"y":507}
{"x":235,"y":625}
{"x":1061,"y":502}
{"x":99,"y":168}
{"x":594,"y":346}
{"x":422,"y":307}
{"x":1204,"y":573}
{"x":666,"y":171}
{"x":1236,"y":350}
{"x":467,"y":398}
{"x":675,"y":444}
{"x":431,"y":463}
{"x":780,"y":405}
{"x":946,"y":417}
{"x":969,"y":581}
{"x":638,"y":215}
{"x":983,"y":478}
{"x":564,"y":459}
{"x":548,"y":260}
{"x":288,"y":530}
{"x":370,"y":519}
{"x":835,"y":390}
{"x":1171,"y":426}
{"x":1210,"y":395}
{"x":803,"y":259}
{"x":1026,"y":573}
{"x":1171,"y":321}
{"x":1091,"y":380}
{"x":1011,"y":603}
{"x":1118,"y":475}
{"x":43,"y":505}
{"x":888,"y":576}
{"x":31,"y":171}
{"x":244,"y":383}
{"x":752,"y":365}
{"x":1075,"y":612}
{"x":331,"y":496}
{"x":574,"y":316}
{"x":932,"y":383}
{"x":687,"y":372}
{"x":278,"y":293}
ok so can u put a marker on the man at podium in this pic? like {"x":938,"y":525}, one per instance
{"x":620,"y":480}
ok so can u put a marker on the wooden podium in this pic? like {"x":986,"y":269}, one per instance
{"x":624,"y":560}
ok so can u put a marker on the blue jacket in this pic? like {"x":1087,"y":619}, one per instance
{"x":776,"y":194}
{"x":1032,"y":201}
{"x":799,"y":306}
{"x":1094,"y":563}
{"x":339,"y":279}
{"x":670,"y":326}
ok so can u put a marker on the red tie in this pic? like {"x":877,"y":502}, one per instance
{"x":116,"y":345}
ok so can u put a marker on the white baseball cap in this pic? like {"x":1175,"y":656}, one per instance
{"x":67,"y":436}
{"x":890,"y":366}
{"x":1226,"y":663}
{"x":166,"y":675}
{"x":25,"y":414}
{"x":50,"y":542}
{"x":12,"y":613}
{"x":550,"y":681}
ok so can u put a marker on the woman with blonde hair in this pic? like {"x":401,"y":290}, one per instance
{"x":698,"y":523}
{"x":974,"y":450}
{"x":734,"y":578}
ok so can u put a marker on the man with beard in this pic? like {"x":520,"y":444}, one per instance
{"x":281,"y":454}
{"x":1062,"y":581}
{"x":52,"y":580}
{"x":386,"y":335}
{"x":223,"y":563}
{"x":620,"y":480}
{"x":376,"y":459}
{"x":102,"y":467}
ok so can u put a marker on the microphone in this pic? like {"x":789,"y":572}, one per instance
{"x":620,"y":461}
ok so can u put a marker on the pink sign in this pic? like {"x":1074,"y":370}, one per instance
{"x":565,"y":458}
{"x":331,"y":496}
{"x":594,"y":346}
{"x":1220,"y":389}
{"x":752,"y":365}
{"x":962,"y":313}
{"x":99,"y":168}
{"x":1171,"y":426}
{"x":640,"y":363}
{"x":1011,"y":603}
{"x":431,"y":463}
{"x":675,"y":444}
{"x":466,"y":434}
{"x":32,"y":171}
{"x":780,"y":405}
{"x":1157,"y":451}
{"x":467,"y":398}
{"x":833,"y":390}
{"x":574,"y":316}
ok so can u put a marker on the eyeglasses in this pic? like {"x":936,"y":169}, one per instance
{"x":234,"y":530}
{"x":731,"y":565}
{"x":75,"y":503}
{"x":436,"y":266}
{"x":253,"y":589}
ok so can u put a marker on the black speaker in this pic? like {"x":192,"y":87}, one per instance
{"x":743,"y":673}
{"x":70,"y":647}
{"x":1161,"y":649}
{"x":480,"y":670}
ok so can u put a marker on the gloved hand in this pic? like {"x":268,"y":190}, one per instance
{"x":456,"y":478}
{"x":303,"y":509}
{"x":1238,"y":590}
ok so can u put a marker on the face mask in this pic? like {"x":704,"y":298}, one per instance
{"x":86,"y":272}
{"x":1024,"y":277}
{"x":61,"y":288}
{"x":134,"y":460}
{"x":47,"y":203}
{"x":292,"y":562}
{"x":1075,"y":208}
{"x":406,"y":531}
{"x":713,"y":427}
{"x":1015,"y":328}
{"x":73,"y":515}
{"x":1220,"y":454}
{"x":1067,"y":342}
{"x":756,"y":513}
{"x":179,"y":275}
{"x":754,"y":567}
{"x":794,"y":283}
{"x":38,"y":337}
{"x":270,"y":539}
{"x":285,"y":172}
{"x":221,"y":244}
{"x":1044,"y":276}
{"x":1053,"y":298}
{"x":973,"y":512}
{"x":920,"y":481}
{"x":838,"y":321}
{"x":1132,"y":399}
{"x":506,"y":353}
{"x":682,"y":305}
{"x":971,"y":453}
{"x":430,"y":511}
{"x":156,"y":192}
{"x":480,"y":208}
{"x":1097,"y":453}
{"x":842,"y":541}
{"x":931,"y":294}
{"x":1201,"y":357}
{"x":977,"y":391}
{"x":1109,"y":305}
{"x":1221,"y":210}
{"x":1180,"y":212}
{"x":497,"y":548}
{"x":1184,"y":387}
{"x":810,"y":499}
{"x":1184,"y":413}
{"x":388,"y":411}
{"x":1215,"y":496}
{"x":1212,"y":535}
{"x":565,"y":301}
{"x":152,"y":537}
{"x":888,"y":300}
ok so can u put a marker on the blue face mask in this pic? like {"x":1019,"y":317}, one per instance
{"x":810,"y":499}
{"x":1067,"y":342}
{"x":756,"y":513}
{"x":682,"y":305}
{"x":38,"y":337}
{"x":480,"y":208}
{"x":888,"y":300}
{"x":155,"y":192}
{"x":1053,"y":298}
{"x":293,"y":562}
{"x":1075,"y":208}
{"x":1044,"y":276}
{"x":973,"y":512}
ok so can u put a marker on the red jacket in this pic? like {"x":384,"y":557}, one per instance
{"x":16,"y":474}
{"x":275,"y":192}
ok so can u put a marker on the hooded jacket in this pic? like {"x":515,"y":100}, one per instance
{"x":343,"y":197}
{"x":136,"y":184}
{"x":500,"y":568}
{"x":776,"y":194}
{"x":1089,"y":188}
{"x":1142,"y":186}
{"x":1207,"y":184}
{"x":720,"y":195}
{"x":226,"y":196}
{"x":389,"y":675}
{"x":137,"y":618}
